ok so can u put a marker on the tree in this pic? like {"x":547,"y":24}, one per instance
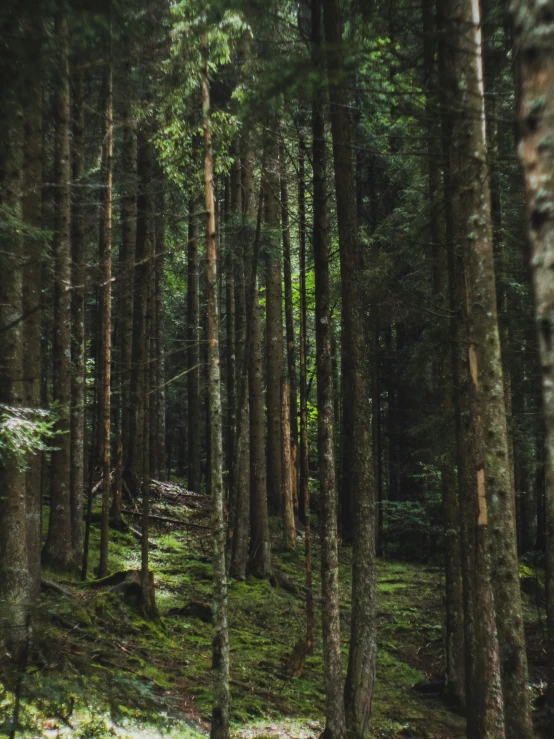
{"x":15,"y":586}
{"x":104,"y":406}
{"x":357,"y":482}
{"x":488,"y":412}
{"x":220,"y":638}
{"x":58,"y":550}
{"x":534,"y":27}
{"x":335,"y":712}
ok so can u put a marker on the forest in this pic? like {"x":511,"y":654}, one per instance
{"x":277,"y":369}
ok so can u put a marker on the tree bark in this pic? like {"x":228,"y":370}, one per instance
{"x":335,"y":727}
{"x":142,"y":250}
{"x":357,"y":484}
{"x":274,"y":323}
{"x":32,"y":280}
{"x":488,"y":411}
{"x":58,"y":549}
{"x":289,"y":323}
{"x":534,"y":28}
{"x":105,"y":254}
{"x":193,"y":352}
{"x":128,"y":219}
{"x":220,"y":637}
{"x":15,"y":584}
{"x":454,"y":627}
{"x":287,"y":507}
{"x":260,"y":546}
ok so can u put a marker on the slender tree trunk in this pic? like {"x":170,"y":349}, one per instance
{"x":128,"y":219}
{"x":260,"y":546}
{"x":304,"y":493}
{"x":335,"y":727}
{"x":274,"y":325}
{"x":138,"y":398}
{"x":534,"y":25}
{"x":488,"y":411}
{"x":58,"y":550}
{"x":358,"y":484}
{"x":241,"y":476}
{"x":483,"y":694}
{"x":146,"y":305}
{"x":289,"y":323}
{"x":15,"y":584}
{"x":193,"y":352}
{"x":289,"y":531}
{"x":160,"y":337}
{"x":104,"y":405}
{"x":78,"y":356}
{"x":454,"y":627}
{"x":32,"y":279}
{"x":220,"y":637}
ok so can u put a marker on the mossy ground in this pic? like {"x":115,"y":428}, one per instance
{"x":93,"y":650}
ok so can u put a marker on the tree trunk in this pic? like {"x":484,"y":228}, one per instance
{"x":274,"y":324}
{"x":483,"y":694}
{"x":142,"y":249}
{"x":304,"y":492}
{"x":357,"y":482}
{"x":58,"y":550}
{"x":534,"y":26}
{"x":289,"y":323}
{"x":15,"y":584}
{"x":335,"y":727}
{"x":159,"y":390}
{"x":128,"y":219}
{"x":32,"y":279}
{"x":241,"y":475}
{"x":104,"y":399}
{"x":220,"y":637}
{"x":260,"y":546}
{"x":454,"y":627}
{"x":488,"y":411}
{"x":193,"y":352}
{"x":287,"y":507}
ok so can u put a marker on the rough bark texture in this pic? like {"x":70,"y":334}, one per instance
{"x":58,"y":550}
{"x":335,"y":727}
{"x":241,"y":476}
{"x":454,"y":626}
{"x":304,"y":492}
{"x":15,"y":585}
{"x":534,"y":28}
{"x":260,"y":546}
{"x":287,"y":507}
{"x":193,"y":352}
{"x":357,"y":484}
{"x":220,"y":636}
{"x":488,"y":411}
{"x":32,"y":279}
{"x":128,"y":219}
{"x":274,"y":324}
{"x":105,"y":254}
{"x":289,"y":323}
{"x":134,"y":462}
{"x":160,"y":426}
{"x":78,"y":277}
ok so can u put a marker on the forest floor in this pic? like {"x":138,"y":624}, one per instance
{"x":97,"y":668}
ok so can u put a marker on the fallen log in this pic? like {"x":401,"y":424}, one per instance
{"x":165,"y":519}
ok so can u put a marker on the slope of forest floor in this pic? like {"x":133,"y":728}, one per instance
{"x":95,"y":659}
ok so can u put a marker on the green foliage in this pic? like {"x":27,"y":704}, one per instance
{"x":24,"y":432}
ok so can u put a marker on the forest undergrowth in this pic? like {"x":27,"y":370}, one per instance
{"x":96,"y":668}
